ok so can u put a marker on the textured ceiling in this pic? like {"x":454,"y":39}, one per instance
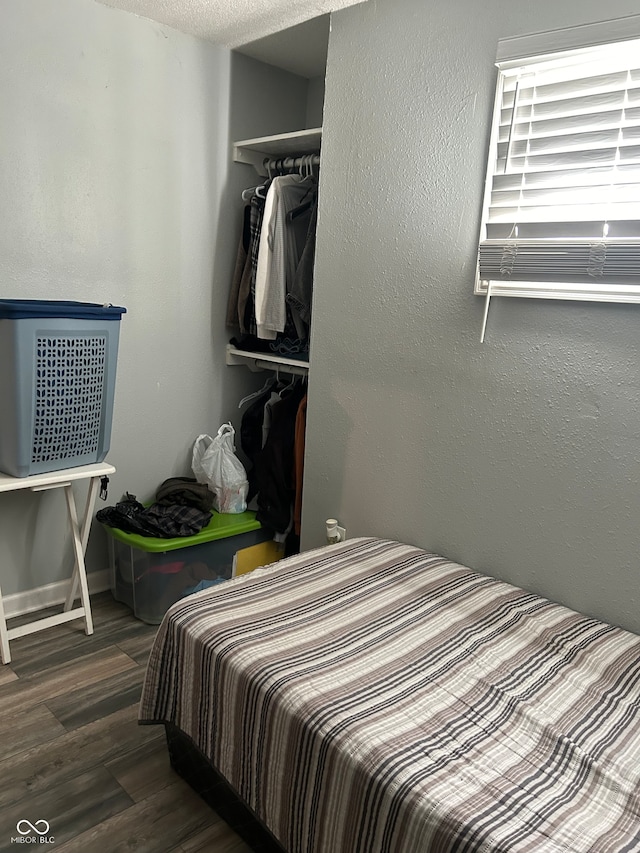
{"x":230,"y":22}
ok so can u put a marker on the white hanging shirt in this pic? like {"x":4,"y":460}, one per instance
{"x":271,"y":269}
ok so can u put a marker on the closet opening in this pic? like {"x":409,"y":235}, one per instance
{"x":269,"y":309}
{"x":300,"y":50}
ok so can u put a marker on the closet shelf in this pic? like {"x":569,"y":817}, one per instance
{"x":266,"y":361}
{"x":255,"y":151}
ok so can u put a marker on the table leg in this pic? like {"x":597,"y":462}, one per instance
{"x":87,"y":518}
{"x":4,"y":635}
{"x":79,"y":572}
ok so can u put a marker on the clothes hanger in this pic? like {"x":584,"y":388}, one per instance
{"x":290,"y":386}
{"x":305,"y":165}
{"x":270,"y":381}
{"x":260,"y":191}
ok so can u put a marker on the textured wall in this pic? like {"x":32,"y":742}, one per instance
{"x":116,"y":185}
{"x":519,"y":457}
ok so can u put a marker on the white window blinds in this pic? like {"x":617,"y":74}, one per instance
{"x":561,"y":215}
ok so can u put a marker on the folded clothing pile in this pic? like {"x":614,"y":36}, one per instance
{"x":182,"y":508}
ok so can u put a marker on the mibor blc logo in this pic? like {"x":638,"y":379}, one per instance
{"x":33,"y":833}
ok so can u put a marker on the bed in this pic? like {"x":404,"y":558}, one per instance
{"x":370,"y":697}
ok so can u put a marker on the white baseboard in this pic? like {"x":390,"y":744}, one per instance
{"x":53,"y":593}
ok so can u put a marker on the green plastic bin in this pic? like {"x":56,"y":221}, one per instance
{"x":149,"y":574}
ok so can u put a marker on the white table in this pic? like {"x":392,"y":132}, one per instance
{"x":80,"y":534}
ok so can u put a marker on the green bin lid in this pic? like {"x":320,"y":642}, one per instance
{"x":221,"y":526}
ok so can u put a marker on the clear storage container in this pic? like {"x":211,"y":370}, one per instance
{"x":149,"y":575}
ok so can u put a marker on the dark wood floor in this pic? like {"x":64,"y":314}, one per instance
{"x":71,"y":752}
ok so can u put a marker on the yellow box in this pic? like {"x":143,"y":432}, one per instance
{"x":262,"y":554}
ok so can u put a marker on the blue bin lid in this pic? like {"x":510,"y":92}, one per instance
{"x":23,"y":309}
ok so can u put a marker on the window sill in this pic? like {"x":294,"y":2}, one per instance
{"x":629,"y":293}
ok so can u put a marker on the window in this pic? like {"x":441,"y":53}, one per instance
{"x":561,"y":216}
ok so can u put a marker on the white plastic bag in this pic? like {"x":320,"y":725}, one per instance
{"x":214,"y":462}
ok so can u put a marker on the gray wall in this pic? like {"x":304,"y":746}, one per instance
{"x":315,"y":102}
{"x":116,"y":185}
{"x":519,"y":457}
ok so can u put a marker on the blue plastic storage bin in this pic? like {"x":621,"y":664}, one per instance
{"x":57,"y":383}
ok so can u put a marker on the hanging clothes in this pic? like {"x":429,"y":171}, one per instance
{"x":300,"y":293}
{"x":276,"y":243}
{"x":298,"y":462}
{"x":241,"y":302}
{"x":270,"y":302}
{"x":251,"y":436}
{"x":271,"y":287}
{"x":257,"y":216}
{"x":275,"y":463}
{"x":233,"y":312}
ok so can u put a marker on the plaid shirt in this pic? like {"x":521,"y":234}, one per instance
{"x":158,"y":520}
{"x":255,"y":227}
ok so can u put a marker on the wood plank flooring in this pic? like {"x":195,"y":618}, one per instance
{"x":72,"y":754}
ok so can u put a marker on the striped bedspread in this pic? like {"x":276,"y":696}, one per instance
{"x":372,"y":697}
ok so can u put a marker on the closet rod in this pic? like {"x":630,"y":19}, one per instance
{"x":290,"y":162}
{"x":281,"y":367}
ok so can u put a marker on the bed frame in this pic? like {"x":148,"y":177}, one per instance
{"x":190,"y":764}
